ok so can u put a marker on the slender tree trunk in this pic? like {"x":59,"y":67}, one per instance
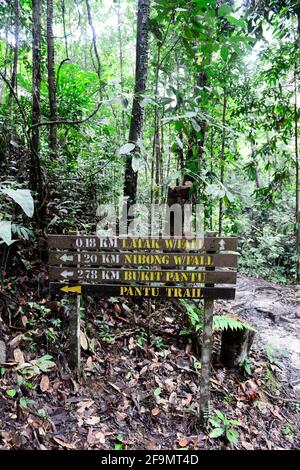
{"x":137,"y":115}
{"x":51,"y":80}
{"x":297,"y":163}
{"x":35,"y":169}
{"x":211,"y":180}
{"x":121,"y":61}
{"x":13,"y":80}
{"x":162,"y":153}
{"x":7,"y":52}
{"x":297,"y":210}
{"x":156,"y":137}
{"x":195,"y":142}
{"x":94,"y":39}
{"x":63,"y":12}
{"x":222,"y":161}
{"x":254,"y":159}
{"x":179,"y":101}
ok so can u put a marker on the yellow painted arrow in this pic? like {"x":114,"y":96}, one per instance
{"x":76,"y":289}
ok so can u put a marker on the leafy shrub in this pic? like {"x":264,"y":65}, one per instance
{"x":224,"y":427}
{"x":23,"y":198}
{"x":220,"y":322}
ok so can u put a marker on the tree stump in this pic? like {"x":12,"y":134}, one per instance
{"x":235,"y":346}
{"x":178,"y":195}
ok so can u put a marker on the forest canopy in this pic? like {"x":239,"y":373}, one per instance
{"x":211,"y":102}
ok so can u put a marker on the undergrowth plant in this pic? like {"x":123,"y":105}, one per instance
{"x":220,"y":322}
{"x":224,"y":427}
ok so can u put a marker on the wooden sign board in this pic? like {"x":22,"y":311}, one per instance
{"x":170,"y":268}
{"x":84,"y":242}
{"x":144,"y":291}
{"x":107,"y":276}
{"x":142,"y":267}
{"x":92,"y":258}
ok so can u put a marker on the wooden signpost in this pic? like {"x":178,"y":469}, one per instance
{"x":87,"y":265}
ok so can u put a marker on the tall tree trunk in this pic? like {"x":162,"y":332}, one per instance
{"x":35,"y":169}
{"x":94,"y":39}
{"x":51,"y":80}
{"x":297,"y":164}
{"x":137,"y":115}
{"x":13,"y":80}
{"x":156,"y":137}
{"x":222,"y":161}
{"x":253,"y":157}
{"x":121,"y":67}
{"x":297,"y":209}
{"x":6,"y":54}
{"x":211,"y":178}
{"x":179,"y":102}
{"x":195,"y":142}
{"x":63,"y":12}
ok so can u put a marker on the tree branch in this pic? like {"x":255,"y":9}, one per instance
{"x":66,"y":121}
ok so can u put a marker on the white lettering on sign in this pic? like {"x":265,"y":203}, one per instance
{"x":86,"y":258}
{"x":108,"y":242}
{"x":108,"y":275}
{"x":87,"y":274}
{"x":110,"y":258}
{"x":85,"y":242}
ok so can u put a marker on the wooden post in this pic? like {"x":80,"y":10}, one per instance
{"x":206,"y":353}
{"x":73,"y":306}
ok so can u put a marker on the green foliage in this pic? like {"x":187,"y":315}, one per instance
{"x":195,"y":315}
{"x":220,"y":322}
{"x":246,"y":365}
{"x":11,"y":392}
{"x":201,"y":52}
{"x":224,"y":322}
{"x":224,"y":427}
{"x":36,"y":366}
{"x":23,"y":198}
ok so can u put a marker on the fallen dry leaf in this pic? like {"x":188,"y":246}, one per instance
{"x":89,"y":362}
{"x":44,"y":383}
{"x":15,"y":341}
{"x":117,"y":308}
{"x":83,"y":405}
{"x":92,"y":420}
{"x":126,"y":308}
{"x":90,"y":437}
{"x":247,"y":445}
{"x":186,"y":401}
{"x":155,"y":411}
{"x":183,"y":441}
{"x":19,"y":356}
{"x":84,"y":341}
{"x":100,"y":437}
{"x":143,"y":370}
{"x":64,"y":444}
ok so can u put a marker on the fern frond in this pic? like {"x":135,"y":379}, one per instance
{"x":224,"y":322}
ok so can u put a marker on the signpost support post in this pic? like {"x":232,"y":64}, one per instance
{"x":73,"y":307}
{"x":74,"y":331}
{"x":206,"y":353}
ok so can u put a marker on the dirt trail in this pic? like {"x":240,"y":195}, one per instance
{"x":274,"y":310}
